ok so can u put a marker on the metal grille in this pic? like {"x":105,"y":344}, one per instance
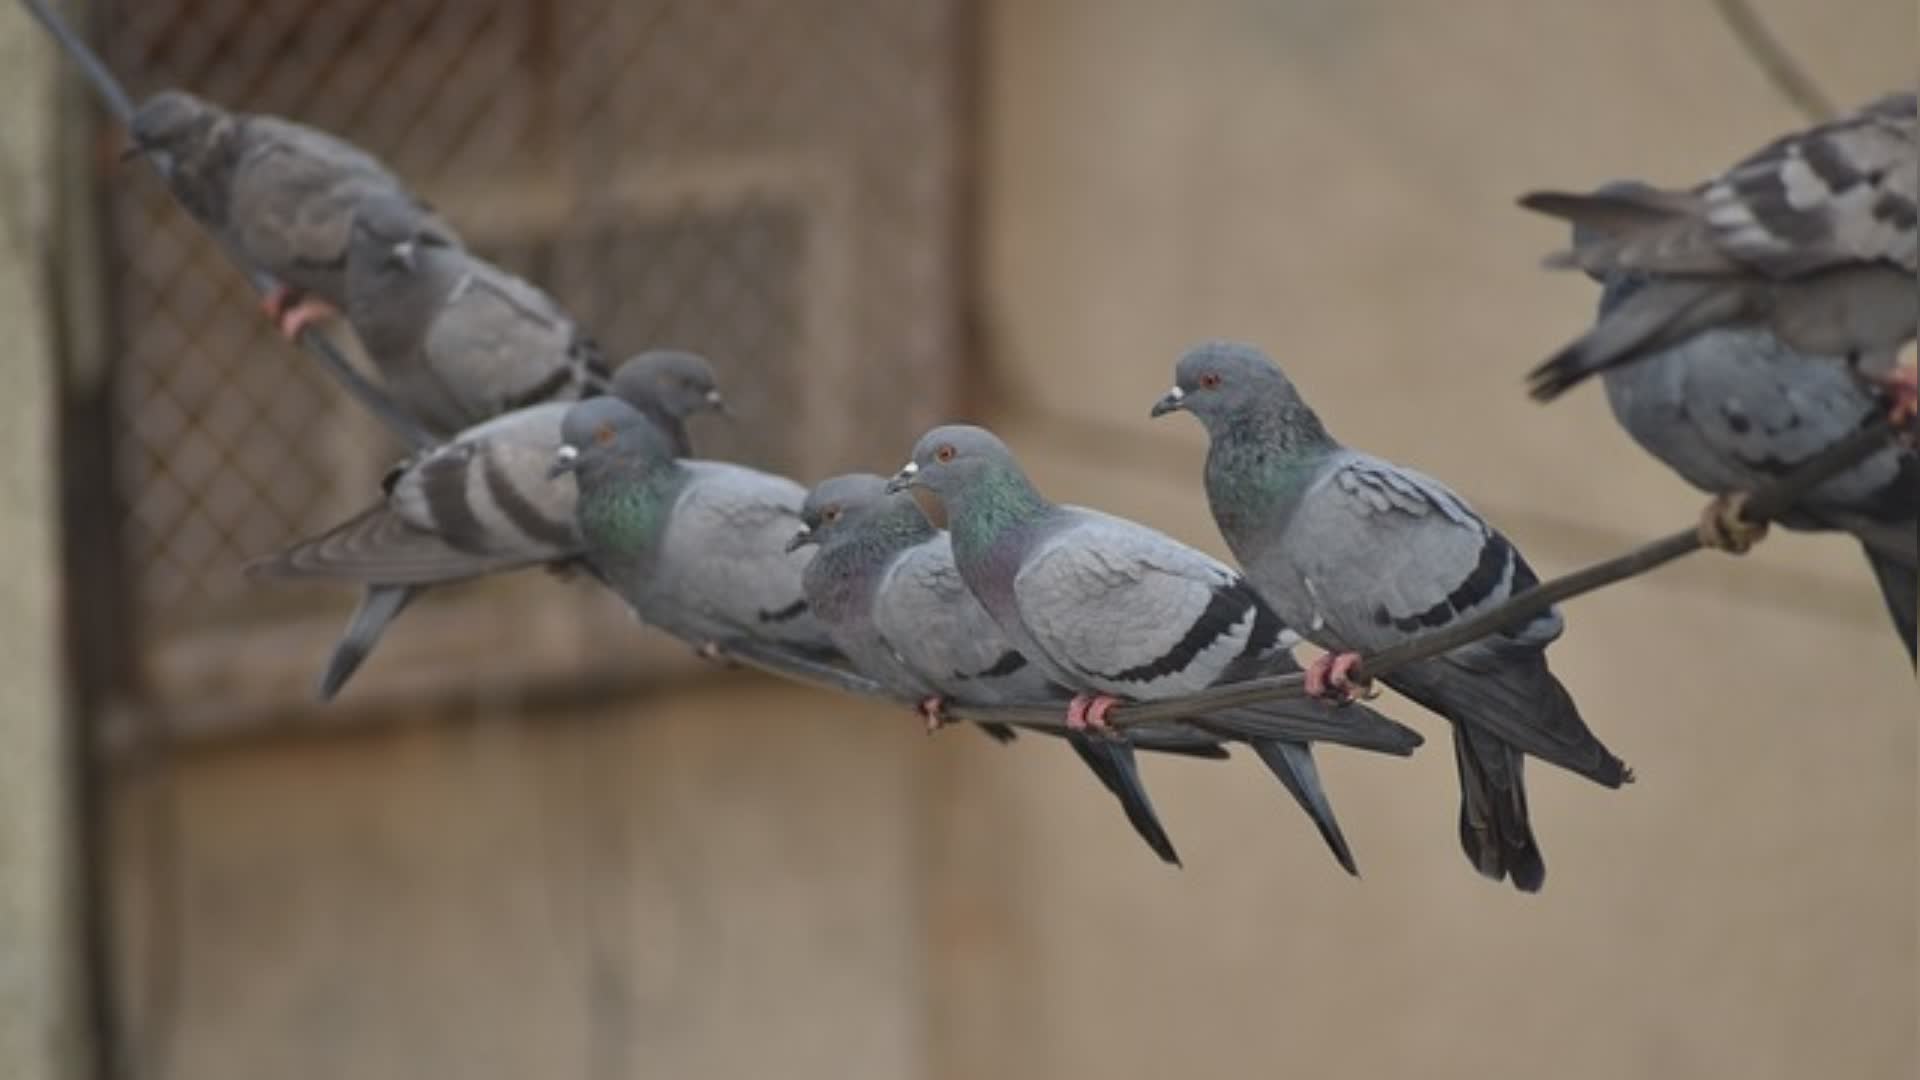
{"x":771,"y":183}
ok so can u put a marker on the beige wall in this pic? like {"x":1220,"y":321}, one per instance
{"x":1335,"y":181}
{"x":738,"y":879}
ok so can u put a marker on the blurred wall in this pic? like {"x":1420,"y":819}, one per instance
{"x":1335,"y":181}
{"x":733,"y":878}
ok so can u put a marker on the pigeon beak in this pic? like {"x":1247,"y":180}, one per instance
{"x":1173,"y":400}
{"x":718,"y":403}
{"x":907,"y":477}
{"x":402,"y":256}
{"x":565,"y":460}
{"x":800,"y":539}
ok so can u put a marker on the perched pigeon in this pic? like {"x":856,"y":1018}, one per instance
{"x":1734,"y":409}
{"x":883,"y":582}
{"x":281,"y":195}
{"x":481,"y":504}
{"x":1114,"y":610}
{"x":696,"y":548}
{"x":1812,"y":236}
{"x":1362,"y":555}
{"x":457,"y":339}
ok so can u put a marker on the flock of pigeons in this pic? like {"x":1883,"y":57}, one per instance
{"x":1746,"y":324}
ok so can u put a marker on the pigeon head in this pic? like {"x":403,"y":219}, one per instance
{"x":177,"y":124}
{"x":837,"y":506}
{"x":1219,"y":380}
{"x":1231,"y":387}
{"x":948,"y":461}
{"x":680,"y":384}
{"x":604,"y":429}
{"x":390,"y":231}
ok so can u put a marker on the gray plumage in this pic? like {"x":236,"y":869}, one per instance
{"x":1107,"y":606}
{"x":698,"y":549}
{"x":280,"y":194}
{"x":883,"y":582}
{"x":1361,"y":554}
{"x":1733,"y":410}
{"x":457,"y":339}
{"x":483,"y":503}
{"x":1812,"y":237}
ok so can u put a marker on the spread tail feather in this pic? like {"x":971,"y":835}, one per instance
{"x":1494,"y":829}
{"x":1292,"y":764}
{"x":379,"y":605}
{"x":377,"y":547}
{"x":1112,"y":761}
{"x":1900,"y":585}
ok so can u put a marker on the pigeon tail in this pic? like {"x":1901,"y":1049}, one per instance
{"x":1292,"y":764}
{"x":1900,"y":585}
{"x":1513,"y":696}
{"x":1112,"y":761}
{"x":379,"y":605}
{"x":1494,"y":829}
{"x":1659,"y":315}
{"x":1305,"y":720}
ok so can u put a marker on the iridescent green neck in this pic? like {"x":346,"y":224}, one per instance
{"x":623,"y":507}
{"x":989,"y":509}
{"x":1260,"y":462}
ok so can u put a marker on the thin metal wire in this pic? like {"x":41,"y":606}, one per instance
{"x":1760,"y":507}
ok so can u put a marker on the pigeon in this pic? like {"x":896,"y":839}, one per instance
{"x":697,"y":549}
{"x":1812,"y":237}
{"x":883,"y":583}
{"x":280,"y":195}
{"x":1735,"y":408}
{"x":456,"y":339}
{"x":1114,"y":610}
{"x":1361,"y":555}
{"x":480,"y":504}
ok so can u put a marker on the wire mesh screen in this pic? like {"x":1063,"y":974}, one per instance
{"x":767,"y":182}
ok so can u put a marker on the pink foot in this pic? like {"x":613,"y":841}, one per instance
{"x":1330,"y":678}
{"x":1902,"y":388}
{"x":933,"y":710}
{"x":303,"y":314}
{"x":1089,"y":711}
{"x":276,"y":301}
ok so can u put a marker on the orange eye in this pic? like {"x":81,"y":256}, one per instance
{"x":944,"y":454}
{"x":603,"y":434}
{"x":1209,"y":381}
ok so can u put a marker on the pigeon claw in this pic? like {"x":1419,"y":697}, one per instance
{"x":933,"y":710}
{"x":1724,"y":527}
{"x":294,"y":319}
{"x":711,"y":652}
{"x":1089,"y":712}
{"x":1330,"y":678}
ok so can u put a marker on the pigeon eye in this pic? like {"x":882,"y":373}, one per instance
{"x":944,"y":454}
{"x":603,"y":434}
{"x":831,"y":515}
{"x":1209,"y":380}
